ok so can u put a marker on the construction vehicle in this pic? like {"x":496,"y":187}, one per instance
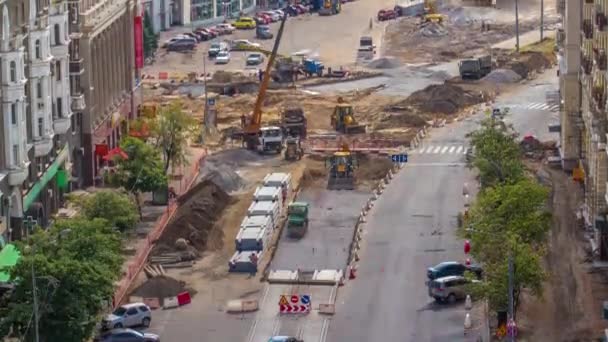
{"x":330,"y":7}
{"x":312,"y":67}
{"x":343,"y":119}
{"x":341,"y":165}
{"x":475,"y":68}
{"x":293,"y":149}
{"x":297,"y":219}
{"x":293,"y":121}
{"x":431,"y":14}
{"x":256,"y":137}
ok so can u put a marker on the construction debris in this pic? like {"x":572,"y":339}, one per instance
{"x":502,"y":76}
{"x":160,"y":287}
{"x":445,"y":99}
{"x":154,"y":271}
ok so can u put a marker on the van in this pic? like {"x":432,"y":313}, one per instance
{"x":216,"y":48}
{"x":448,"y":289}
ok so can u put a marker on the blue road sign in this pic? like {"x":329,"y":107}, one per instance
{"x":399,"y":158}
{"x":305,"y":299}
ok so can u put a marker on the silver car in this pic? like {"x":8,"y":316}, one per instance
{"x":448,"y":289}
{"x":127,"y":335}
{"x":128,"y":315}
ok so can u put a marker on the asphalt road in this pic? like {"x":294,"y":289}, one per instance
{"x":413,"y":227}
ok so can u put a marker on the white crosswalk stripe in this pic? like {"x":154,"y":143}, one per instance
{"x":441,"y":149}
{"x":534,"y":106}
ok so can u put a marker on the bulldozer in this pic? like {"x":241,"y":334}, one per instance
{"x":341,"y":165}
{"x":431,"y":15}
{"x":343,"y":119}
{"x":293,"y":149}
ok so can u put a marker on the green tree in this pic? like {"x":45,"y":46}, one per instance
{"x":141,"y":172}
{"x":117,"y":208}
{"x":497,"y":153}
{"x":76,"y":263}
{"x":150,"y":38}
{"x":172,"y":129}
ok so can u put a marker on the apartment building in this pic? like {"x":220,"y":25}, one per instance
{"x":34,"y":160}
{"x":103,"y":69}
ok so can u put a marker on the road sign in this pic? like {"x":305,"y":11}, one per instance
{"x":399,"y":158}
{"x":295,"y":299}
{"x":283,"y":300}
{"x":305,"y":299}
{"x":294,"y":308}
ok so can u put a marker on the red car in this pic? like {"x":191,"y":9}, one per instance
{"x":386,"y":15}
{"x":263,"y":19}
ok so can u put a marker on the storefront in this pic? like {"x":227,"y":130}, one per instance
{"x":202,"y":10}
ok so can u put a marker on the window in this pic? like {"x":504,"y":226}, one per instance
{"x":15,"y":154}
{"x":202,"y":9}
{"x":58,"y":70}
{"x":14,"y":113}
{"x":13,"y":67}
{"x":132,"y":311}
{"x":40,"y":127}
{"x":39,"y":89}
{"x":37,"y":49}
{"x":57,"y":33}
{"x":73,"y":123}
{"x":59,"y":107}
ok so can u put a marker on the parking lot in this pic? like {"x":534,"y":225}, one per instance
{"x":305,"y":32}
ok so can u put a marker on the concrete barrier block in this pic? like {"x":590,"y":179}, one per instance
{"x":153,"y":303}
{"x":170,"y":303}
{"x":136,"y":299}
{"x":327,"y":309}
{"x":241,"y":305}
{"x":275,"y":276}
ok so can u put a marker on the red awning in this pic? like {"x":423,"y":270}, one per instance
{"x":116,"y":153}
{"x":101,"y":149}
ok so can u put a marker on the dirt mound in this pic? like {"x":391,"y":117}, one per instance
{"x":433,"y":30}
{"x":223,"y":176}
{"x":384,"y":63}
{"x":372,"y":168}
{"x":198,"y":210}
{"x":526,"y":62}
{"x":160,"y":287}
{"x":502,"y":76}
{"x":314,"y":172}
{"x":444,"y":98}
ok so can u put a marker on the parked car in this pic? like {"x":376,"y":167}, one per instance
{"x":448,"y":289}
{"x":302,"y":9}
{"x":291,"y":11}
{"x":211,"y":33}
{"x":279,"y":12}
{"x":274,"y":16}
{"x":452,"y":268}
{"x":203,"y":36}
{"x":255,"y":59}
{"x":386,"y":14}
{"x":222,"y":58}
{"x":177,"y":38}
{"x":225,"y":28}
{"x":267,"y":19}
{"x":284,"y":339}
{"x":244,"y":23}
{"x":128,"y":315}
{"x":243,"y":45}
{"x":193,"y":35}
{"x":263,"y":32}
{"x":182,"y":45}
{"x":127,"y":335}
{"x":216,"y":47}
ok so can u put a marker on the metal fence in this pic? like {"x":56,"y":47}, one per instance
{"x":138,"y":261}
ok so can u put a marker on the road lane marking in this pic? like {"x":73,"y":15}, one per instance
{"x":451,"y":149}
{"x":324,"y":330}
{"x":437,"y":149}
{"x":254,"y":325}
{"x":445,"y":148}
{"x":459,"y":149}
{"x":436,"y":164}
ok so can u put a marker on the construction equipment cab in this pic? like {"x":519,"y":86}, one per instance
{"x":330,"y":7}
{"x":475,"y":68}
{"x":270,"y":139}
{"x":343,"y":119}
{"x":431,"y":14}
{"x":293,"y":149}
{"x":297,"y":219}
{"x":341,"y":165}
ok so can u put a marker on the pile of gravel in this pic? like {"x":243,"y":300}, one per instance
{"x":433,"y":30}
{"x":384,"y":63}
{"x":222,"y":175}
{"x":502,"y":76}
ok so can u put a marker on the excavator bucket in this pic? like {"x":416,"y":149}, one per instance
{"x":340,"y":183}
{"x":355,"y":129}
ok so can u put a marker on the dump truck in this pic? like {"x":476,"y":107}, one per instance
{"x":341,"y":166}
{"x":330,"y":7}
{"x":343,"y":119}
{"x":294,"y":121}
{"x":475,"y":68}
{"x":297,"y":219}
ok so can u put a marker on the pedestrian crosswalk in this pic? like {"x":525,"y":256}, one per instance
{"x":535,"y":106}
{"x":441,"y":149}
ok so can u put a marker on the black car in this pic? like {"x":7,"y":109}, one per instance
{"x":127,"y":335}
{"x":181,"y":45}
{"x":452,"y":268}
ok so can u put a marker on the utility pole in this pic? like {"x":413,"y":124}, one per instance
{"x":511,"y":306}
{"x":29,"y":223}
{"x":517,"y":25}
{"x":542,"y":18}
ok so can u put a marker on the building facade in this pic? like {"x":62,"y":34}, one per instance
{"x":199,"y":12}
{"x":104,"y":71}
{"x":160,"y":14}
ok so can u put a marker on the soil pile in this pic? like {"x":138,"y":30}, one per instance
{"x":384,"y":63}
{"x":223,"y":176}
{"x":198,"y":210}
{"x":433,"y":30}
{"x":444,"y":98}
{"x":502,"y":76}
{"x":160,"y":287}
{"x":526,"y":62}
{"x":373,"y":168}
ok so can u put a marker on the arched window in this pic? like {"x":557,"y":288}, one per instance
{"x":57,"y":34}
{"x":37,"y":48}
{"x":13,"y":67}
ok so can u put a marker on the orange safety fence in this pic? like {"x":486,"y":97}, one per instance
{"x":141,"y":256}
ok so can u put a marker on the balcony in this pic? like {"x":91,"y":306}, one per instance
{"x":59,"y":51}
{"x":78,"y":104}
{"x":76,"y":67}
{"x":600,"y":59}
{"x":17,"y":175}
{"x":599,"y":96}
{"x":587,"y":29}
{"x":600,"y":20}
{"x":586,"y":64}
{"x":43,"y":146}
{"x":61,"y":125}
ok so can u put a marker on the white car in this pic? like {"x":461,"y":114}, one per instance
{"x":273,"y":15}
{"x":223,"y":57}
{"x":279,"y":12}
{"x":225,"y":28}
{"x":128,"y":315}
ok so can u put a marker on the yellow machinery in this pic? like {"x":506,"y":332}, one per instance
{"x":343,"y":119}
{"x":430,"y":12}
{"x":341,"y":165}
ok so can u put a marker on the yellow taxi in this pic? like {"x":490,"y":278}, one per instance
{"x":244,"y":23}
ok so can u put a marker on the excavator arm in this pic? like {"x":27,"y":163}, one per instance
{"x":256,"y":118}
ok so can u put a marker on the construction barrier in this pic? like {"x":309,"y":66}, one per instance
{"x":184,"y":298}
{"x":141,"y":256}
{"x":327,"y":309}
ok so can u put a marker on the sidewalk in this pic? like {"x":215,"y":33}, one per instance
{"x":527,"y":38}
{"x":155,"y":218}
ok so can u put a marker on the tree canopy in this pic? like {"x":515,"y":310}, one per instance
{"x":142,"y":171}
{"x":76,"y":263}
{"x":115,"y":207}
{"x":150,"y":38}
{"x":171,"y":130}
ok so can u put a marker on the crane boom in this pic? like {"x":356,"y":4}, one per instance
{"x":256,"y":117}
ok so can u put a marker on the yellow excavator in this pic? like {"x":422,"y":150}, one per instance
{"x":341,"y":166}
{"x":343,"y":119}
{"x":431,"y":14}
